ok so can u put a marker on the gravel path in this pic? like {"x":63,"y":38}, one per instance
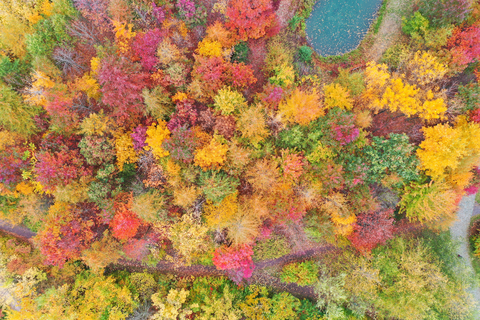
{"x":459,"y":231}
{"x":390,"y":29}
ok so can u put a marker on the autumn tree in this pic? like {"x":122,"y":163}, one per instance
{"x":432,"y":204}
{"x":188,"y":238}
{"x":301,"y":107}
{"x":122,"y":83}
{"x":463,"y":47}
{"x":213,"y":155}
{"x":64,"y":234}
{"x":372,"y":229}
{"x":449,"y":153}
{"x":238,"y":260}
{"x":250,"y":19}
{"x":15,"y":116}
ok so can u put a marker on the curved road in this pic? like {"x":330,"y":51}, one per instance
{"x":459,"y":232}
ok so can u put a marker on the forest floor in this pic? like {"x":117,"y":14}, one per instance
{"x":459,"y":232}
{"x":390,"y":29}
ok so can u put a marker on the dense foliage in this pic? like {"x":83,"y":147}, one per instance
{"x":193,"y":132}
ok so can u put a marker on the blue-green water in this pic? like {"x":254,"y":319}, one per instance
{"x":338,"y":26}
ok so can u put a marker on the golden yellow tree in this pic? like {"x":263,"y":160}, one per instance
{"x":252,"y":125}
{"x":213,"y":155}
{"x":156,"y":134}
{"x":301,"y":107}
{"x":337,"y":96}
{"x":450,"y":153}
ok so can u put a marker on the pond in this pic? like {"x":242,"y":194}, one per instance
{"x":336,"y":27}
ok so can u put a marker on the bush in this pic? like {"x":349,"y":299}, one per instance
{"x":273,"y":248}
{"x":240,"y":52}
{"x":303,"y":273}
{"x":305,"y":53}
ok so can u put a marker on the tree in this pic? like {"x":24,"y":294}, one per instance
{"x":208,"y":48}
{"x":463,"y":47}
{"x":15,"y":116}
{"x":301,"y":107}
{"x":144,"y":46}
{"x":252,"y":124}
{"x":445,"y":12}
{"x":156,"y":135}
{"x":228,"y":101}
{"x":122,"y":83}
{"x":182,"y":144}
{"x":102,"y":253}
{"x":450,"y":152}
{"x":337,"y":96}
{"x":125,"y":223}
{"x":64,"y":234}
{"x":425,"y":68}
{"x":432,"y":204}
{"x":250,"y":19}
{"x":372,"y":229}
{"x":236,"y":259}
{"x":188,"y":238}
{"x":211,"y":156}
{"x":124,"y":150}
{"x":59,"y":168}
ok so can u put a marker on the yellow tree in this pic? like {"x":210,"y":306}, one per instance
{"x":156,"y":134}
{"x":425,"y":68}
{"x":252,"y":125}
{"x":301,"y":107}
{"x":337,"y":96}
{"x":213,"y":155}
{"x":450,"y":153}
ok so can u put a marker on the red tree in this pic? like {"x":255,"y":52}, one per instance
{"x":464,"y":45}
{"x":125,"y":223}
{"x":241,"y":75}
{"x":250,"y":18}
{"x":122,"y":83}
{"x":145,"y":47}
{"x":64,"y":236}
{"x":372,"y":229}
{"x":238,"y":260}
{"x":59,"y":168}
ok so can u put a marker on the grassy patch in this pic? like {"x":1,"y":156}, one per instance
{"x":475,"y":259}
{"x":381,"y":14}
{"x":477,"y":198}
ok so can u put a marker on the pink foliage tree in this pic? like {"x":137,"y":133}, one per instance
{"x":144,"y":46}
{"x":237,"y":260}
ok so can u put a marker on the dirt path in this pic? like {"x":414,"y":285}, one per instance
{"x":260,"y":276}
{"x":459,"y":231}
{"x":390,"y":29}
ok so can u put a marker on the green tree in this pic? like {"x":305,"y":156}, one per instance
{"x":14,"y":114}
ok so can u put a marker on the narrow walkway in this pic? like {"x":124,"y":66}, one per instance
{"x":390,"y":29}
{"x":459,"y":232}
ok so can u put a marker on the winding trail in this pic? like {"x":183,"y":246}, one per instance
{"x":459,"y":232}
{"x":390,"y":29}
{"x":260,"y":275}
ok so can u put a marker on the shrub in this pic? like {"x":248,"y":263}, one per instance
{"x":305,"y":53}
{"x":216,"y":185}
{"x":273,"y":248}
{"x":240,"y":52}
{"x":303,"y":273}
